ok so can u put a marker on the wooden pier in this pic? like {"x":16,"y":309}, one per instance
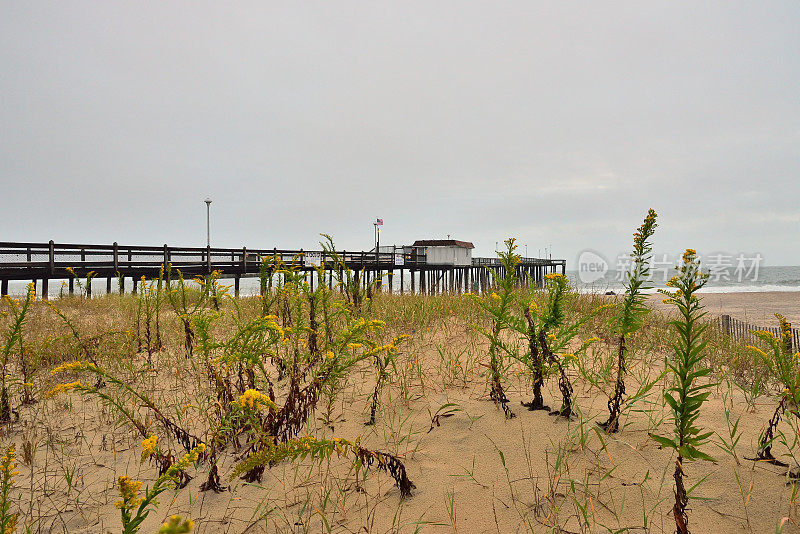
{"x":394,"y":271}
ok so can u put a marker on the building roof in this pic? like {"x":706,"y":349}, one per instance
{"x":442,"y":243}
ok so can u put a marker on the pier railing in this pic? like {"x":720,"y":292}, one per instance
{"x":22,"y":261}
{"x":53,"y":261}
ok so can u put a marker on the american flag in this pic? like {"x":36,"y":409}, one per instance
{"x":379,"y":222}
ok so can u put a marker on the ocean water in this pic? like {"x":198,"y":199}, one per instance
{"x":766,"y":278}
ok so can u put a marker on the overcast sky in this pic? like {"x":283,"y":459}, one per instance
{"x":559,"y":123}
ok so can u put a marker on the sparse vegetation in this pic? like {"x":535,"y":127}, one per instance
{"x":249,"y":412}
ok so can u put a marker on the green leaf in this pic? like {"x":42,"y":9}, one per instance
{"x":664,"y":442}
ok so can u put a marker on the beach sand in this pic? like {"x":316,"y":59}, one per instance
{"x":474,"y":472}
{"x":757,"y":309}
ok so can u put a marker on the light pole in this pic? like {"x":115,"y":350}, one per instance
{"x":208,"y":222}
{"x":378,"y":223}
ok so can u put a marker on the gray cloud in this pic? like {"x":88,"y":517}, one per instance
{"x":558,"y":123}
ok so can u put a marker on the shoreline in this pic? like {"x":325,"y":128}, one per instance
{"x":754,"y":307}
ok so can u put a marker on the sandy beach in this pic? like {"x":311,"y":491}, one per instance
{"x":474,"y":470}
{"x":757,"y":309}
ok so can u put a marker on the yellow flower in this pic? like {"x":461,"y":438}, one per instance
{"x":149,"y":446}
{"x":186,"y":461}
{"x":69,"y":366}
{"x":786,"y":330}
{"x":176,"y":525}
{"x":11,"y":526}
{"x":7,"y":466}
{"x":758,"y":350}
{"x":128,"y":490}
{"x":63,"y":388}
{"x":252,"y":398}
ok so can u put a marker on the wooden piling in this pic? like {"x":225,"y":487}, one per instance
{"x":51,"y":258}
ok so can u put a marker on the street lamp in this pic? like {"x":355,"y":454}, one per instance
{"x":208,"y":221}
{"x":378,"y":223}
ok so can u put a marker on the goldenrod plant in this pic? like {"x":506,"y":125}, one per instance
{"x":84,"y":345}
{"x":176,"y":525}
{"x":535,"y":359}
{"x":124,"y":398}
{"x":688,"y":392}
{"x":784,"y":366}
{"x":349,"y":281}
{"x":149,"y":300}
{"x":320,"y":449}
{"x":499,"y":309}
{"x":134,"y":509}
{"x":85,"y":287}
{"x":8,"y":465}
{"x":350,"y":285}
{"x":632,"y":312}
{"x":384,"y":361}
{"x":309,"y":375}
{"x":284,"y":362}
{"x":267,"y":270}
{"x":12,"y":340}
{"x":185,"y":306}
{"x":550,"y":338}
